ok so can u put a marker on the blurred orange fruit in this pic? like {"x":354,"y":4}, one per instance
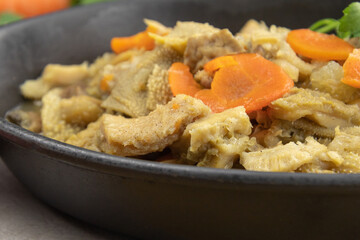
{"x":31,"y":8}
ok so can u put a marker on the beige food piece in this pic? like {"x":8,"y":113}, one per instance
{"x":297,"y":131}
{"x":216,"y":140}
{"x":290,"y":70}
{"x":346,"y":143}
{"x":64,"y":75}
{"x":159,"y":91}
{"x":202,"y":48}
{"x":283,"y":158}
{"x":160,"y":28}
{"x":227,"y":152}
{"x":180,"y":34}
{"x":100,"y":63}
{"x":251,"y":26}
{"x":204,"y":78}
{"x":89,"y":138}
{"x":319,"y":166}
{"x":80,"y":110}
{"x":319,"y":107}
{"x":101,"y":66}
{"x":54,"y":75}
{"x":53,"y":126}
{"x":328,"y":79}
{"x":62,"y":117}
{"x":343,"y":155}
{"x":287,"y":53}
{"x":152,"y":133}
{"x":130,"y":94}
{"x":34,"y":89}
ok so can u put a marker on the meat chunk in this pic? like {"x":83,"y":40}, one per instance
{"x":103,"y":67}
{"x":328,"y":79}
{"x":54,"y":75}
{"x":343,"y":155}
{"x":89,"y":138}
{"x":130,"y":94}
{"x":80,"y":110}
{"x":204,"y":78}
{"x":53,"y":126}
{"x":159,"y":91}
{"x":63,"y":117}
{"x":152,"y":133}
{"x":180,"y":34}
{"x":319,"y":107}
{"x":283,"y":158}
{"x":346,"y":143}
{"x":282,"y":131}
{"x":202,"y":48}
{"x":139,"y":136}
{"x":216,"y":140}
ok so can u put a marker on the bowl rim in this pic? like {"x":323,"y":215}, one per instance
{"x":145,"y":169}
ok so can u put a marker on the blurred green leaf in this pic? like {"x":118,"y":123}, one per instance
{"x":350,"y":22}
{"x":7,"y":17}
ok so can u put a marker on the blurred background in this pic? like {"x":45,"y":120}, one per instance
{"x":15,"y":10}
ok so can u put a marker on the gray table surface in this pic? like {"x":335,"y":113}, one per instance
{"x":23,"y":217}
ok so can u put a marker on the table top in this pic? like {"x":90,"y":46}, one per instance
{"x":24,"y":217}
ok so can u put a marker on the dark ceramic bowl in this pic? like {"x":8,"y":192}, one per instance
{"x":147,"y":199}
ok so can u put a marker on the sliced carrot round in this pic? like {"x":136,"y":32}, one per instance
{"x":248,"y":80}
{"x":208,"y":97}
{"x":352,"y":69}
{"x":318,"y":46}
{"x":254,"y":83}
{"x":232,"y":82}
{"x":181,"y":80}
{"x":139,"y":40}
{"x":219,"y":62}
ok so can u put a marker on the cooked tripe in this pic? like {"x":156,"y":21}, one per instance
{"x":142,"y":135}
{"x":260,"y":99}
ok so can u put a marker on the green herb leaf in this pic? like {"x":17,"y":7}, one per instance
{"x":325,"y":25}
{"x":350,"y":23}
{"x":7,"y":17}
{"x":346,"y":27}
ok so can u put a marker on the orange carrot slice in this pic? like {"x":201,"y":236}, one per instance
{"x":232,"y":83}
{"x":254,"y":83}
{"x":318,"y":46}
{"x":247,"y":80}
{"x":181,"y":80}
{"x":219,"y":62}
{"x":208,"y":97}
{"x":352,"y":69}
{"x":33,"y":8}
{"x":139,"y":40}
